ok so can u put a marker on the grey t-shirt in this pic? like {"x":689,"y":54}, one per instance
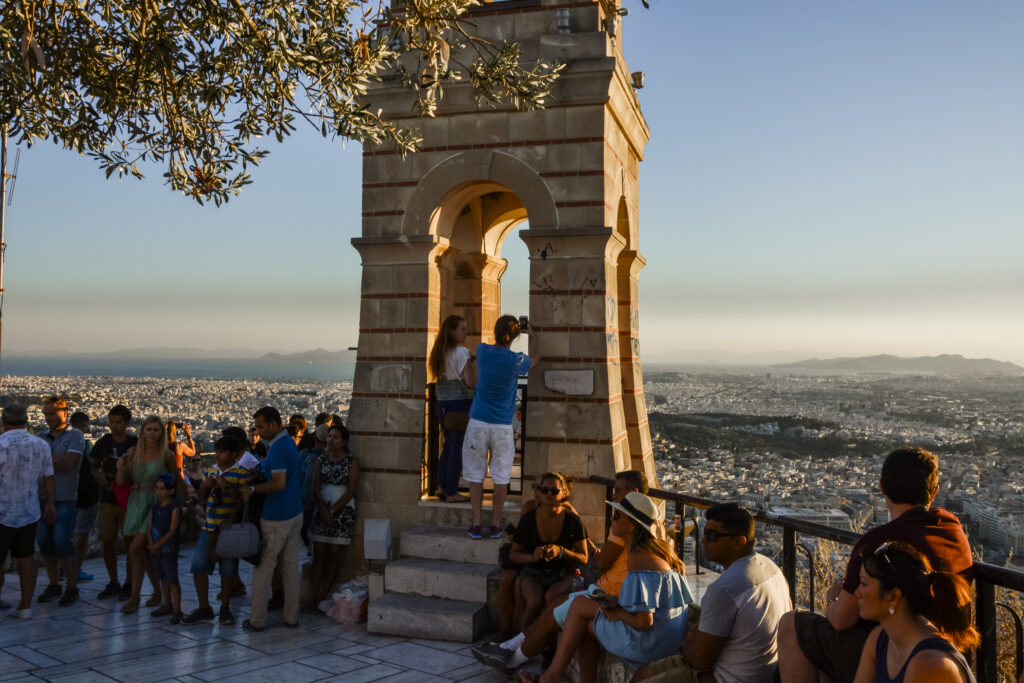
{"x":744,"y":605}
{"x":65,"y":483}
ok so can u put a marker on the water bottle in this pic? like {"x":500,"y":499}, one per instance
{"x":577,"y":581}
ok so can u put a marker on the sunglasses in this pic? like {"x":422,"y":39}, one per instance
{"x":882,"y":552}
{"x":713,"y":535}
{"x":552,"y":491}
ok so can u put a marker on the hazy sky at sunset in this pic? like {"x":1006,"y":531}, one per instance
{"x":823,"y":177}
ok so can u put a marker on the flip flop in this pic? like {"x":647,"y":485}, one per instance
{"x":458,"y":498}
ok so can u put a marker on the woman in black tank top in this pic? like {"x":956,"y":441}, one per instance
{"x":924,"y":619}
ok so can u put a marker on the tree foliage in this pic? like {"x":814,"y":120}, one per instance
{"x":193,"y":84}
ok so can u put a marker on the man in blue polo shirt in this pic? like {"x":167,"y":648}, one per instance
{"x":489,"y":431}
{"x":281,"y":521}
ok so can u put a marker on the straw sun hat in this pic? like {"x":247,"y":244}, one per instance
{"x":640,"y":509}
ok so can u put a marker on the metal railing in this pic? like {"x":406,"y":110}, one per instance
{"x":987,"y":577}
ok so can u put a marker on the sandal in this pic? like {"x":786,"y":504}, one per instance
{"x":527,"y":677}
{"x":154,"y":600}
{"x":130,"y":607}
{"x":457,"y":498}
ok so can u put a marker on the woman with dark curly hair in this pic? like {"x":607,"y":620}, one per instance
{"x":924,"y":619}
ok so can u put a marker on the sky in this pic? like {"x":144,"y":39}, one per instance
{"x":823,"y":178}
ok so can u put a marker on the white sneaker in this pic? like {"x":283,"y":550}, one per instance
{"x":21,"y":613}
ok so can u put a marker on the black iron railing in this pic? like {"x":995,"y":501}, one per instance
{"x":987,"y":577}
{"x":435,"y":440}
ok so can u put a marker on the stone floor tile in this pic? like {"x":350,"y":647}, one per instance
{"x":373,"y":672}
{"x":365,"y":658}
{"x":83,"y":677}
{"x":335,"y":644}
{"x":233,"y":668}
{"x":29,"y":655}
{"x":486,"y":677}
{"x":426,"y":659}
{"x":289,"y":671}
{"x":83,"y":665}
{"x":277,"y":639}
{"x":332,"y":664}
{"x":192,"y":660}
{"x":411,"y":677}
{"x":470,"y":671}
{"x":9,"y":663}
{"x":440,"y":645}
{"x":354,"y":649}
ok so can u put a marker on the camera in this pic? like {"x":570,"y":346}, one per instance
{"x":524,"y":322}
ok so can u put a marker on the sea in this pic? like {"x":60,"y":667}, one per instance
{"x":251,"y":368}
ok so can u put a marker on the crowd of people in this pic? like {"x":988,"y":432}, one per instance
{"x":901,"y":612}
{"x":291,"y":484}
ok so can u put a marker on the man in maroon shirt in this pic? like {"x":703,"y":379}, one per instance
{"x":810,"y":643}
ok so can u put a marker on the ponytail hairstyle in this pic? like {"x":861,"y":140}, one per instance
{"x":645,"y":542}
{"x":443,"y":344}
{"x":506,"y":329}
{"x":942,"y":598}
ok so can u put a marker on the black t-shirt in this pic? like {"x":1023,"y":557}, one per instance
{"x":107,"y":452}
{"x":88,"y":489}
{"x":528,"y":537}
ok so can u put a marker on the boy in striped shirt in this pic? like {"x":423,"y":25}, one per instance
{"x":220,"y":492}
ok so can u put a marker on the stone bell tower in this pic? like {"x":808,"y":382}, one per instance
{"x":433,"y":228}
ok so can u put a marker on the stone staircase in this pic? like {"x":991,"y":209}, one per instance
{"x":440,"y":587}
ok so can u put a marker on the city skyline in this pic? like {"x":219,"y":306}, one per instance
{"x":834,"y":180}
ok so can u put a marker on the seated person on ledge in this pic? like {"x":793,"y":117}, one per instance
{"x":810,"y":643}
{"x":612,"y":565}
{"x":735,"y":639}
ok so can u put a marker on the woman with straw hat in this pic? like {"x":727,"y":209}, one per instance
{"x":648,"y":619}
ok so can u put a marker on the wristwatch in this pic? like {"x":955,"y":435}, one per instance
{"x":252,"y":489}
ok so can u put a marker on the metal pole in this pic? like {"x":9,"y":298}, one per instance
{"x":3,"y":206}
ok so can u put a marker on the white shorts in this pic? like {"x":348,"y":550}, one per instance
{"x":483,"y":438}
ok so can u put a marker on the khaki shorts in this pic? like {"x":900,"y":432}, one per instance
{"x":110,"y":522}
{"x":676,"y":670}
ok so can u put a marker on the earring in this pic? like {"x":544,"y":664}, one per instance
{"x":892,"y":609}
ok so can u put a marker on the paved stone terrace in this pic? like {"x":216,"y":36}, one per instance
{"x":92,"y":641}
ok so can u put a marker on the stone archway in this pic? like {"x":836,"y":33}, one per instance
{"x":433,"y":224}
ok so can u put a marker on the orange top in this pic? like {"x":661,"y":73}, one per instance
{"x":611,"y":580}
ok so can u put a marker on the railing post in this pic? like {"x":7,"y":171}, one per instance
{"x":986,"y":622}
{"x":1018,"y":640}
{"x":433,"y":435}
{"x":789,"y":558}
{"x":607,"y":511}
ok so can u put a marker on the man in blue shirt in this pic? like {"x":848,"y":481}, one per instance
{"x":490,"y":419}
{"x":280,"y":522}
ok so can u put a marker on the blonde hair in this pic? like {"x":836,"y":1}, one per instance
{"x":162,"y":446}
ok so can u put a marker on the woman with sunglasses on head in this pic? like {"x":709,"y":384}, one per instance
{"x":647,"y":620}
{"x":549,"y":544}
{"x":924,"y":619}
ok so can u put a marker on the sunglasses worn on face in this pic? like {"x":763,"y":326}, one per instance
{"x":713,"y":535}
{"x":553,"y":491}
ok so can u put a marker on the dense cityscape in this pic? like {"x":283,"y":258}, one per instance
{"x":808,"y":446}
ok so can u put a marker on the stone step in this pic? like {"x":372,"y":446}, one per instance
{"x":415,"y":616}
{"x":432,"y":511}
{"x":449,"y":543}
{"x":440,"y":578}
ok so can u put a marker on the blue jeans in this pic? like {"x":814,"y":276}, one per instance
{"x":57,"y":538}
{"x":449,"y":466}
{"x":202,"y":561}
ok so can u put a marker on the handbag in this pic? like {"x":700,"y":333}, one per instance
{"x":238,"y":540}
{"x":456,"y":421}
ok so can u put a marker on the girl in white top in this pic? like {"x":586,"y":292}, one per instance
{"x":452,"y":367}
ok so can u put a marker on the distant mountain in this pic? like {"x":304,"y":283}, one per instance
{"x":947,"y":364}
{"x":147,"y":353}
{"x":315,"y":356}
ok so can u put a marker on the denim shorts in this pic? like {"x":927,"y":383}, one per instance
{"x":165,"y":567}
{"x":57,"y":538}
{"x":202,"y":562}
{"x":85,"y":518}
